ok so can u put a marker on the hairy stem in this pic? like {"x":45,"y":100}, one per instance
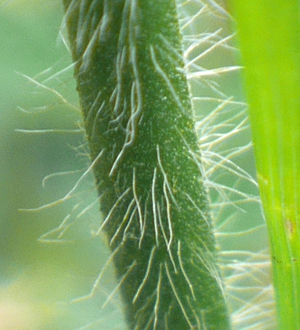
{"x":139,"y":124}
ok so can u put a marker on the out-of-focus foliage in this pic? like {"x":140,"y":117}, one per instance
{"x":38,"y":280}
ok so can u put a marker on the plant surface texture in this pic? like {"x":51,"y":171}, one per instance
{"x":144,"y":149}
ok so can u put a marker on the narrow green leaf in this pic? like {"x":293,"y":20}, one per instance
{"x":269,"y":34}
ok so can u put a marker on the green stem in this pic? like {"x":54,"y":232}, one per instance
{"x":269,"y":33}
{"x":139,"y":124}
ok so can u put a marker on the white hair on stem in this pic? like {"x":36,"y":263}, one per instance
{"x":219,"y":126}
{"x":252,"y":308}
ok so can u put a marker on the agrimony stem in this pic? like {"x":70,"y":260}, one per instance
{"x":139,"y":124}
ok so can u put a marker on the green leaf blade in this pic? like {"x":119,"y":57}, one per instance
{"x":270,"y":43}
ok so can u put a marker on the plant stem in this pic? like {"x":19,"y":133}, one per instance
{"x":140,"y":128}
{"x":269,"y":33}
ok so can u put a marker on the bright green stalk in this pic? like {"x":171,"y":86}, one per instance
{"x":269,"y":33}
{"x":140,"y":128}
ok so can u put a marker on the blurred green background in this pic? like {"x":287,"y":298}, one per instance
{"x":38,"y":280}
